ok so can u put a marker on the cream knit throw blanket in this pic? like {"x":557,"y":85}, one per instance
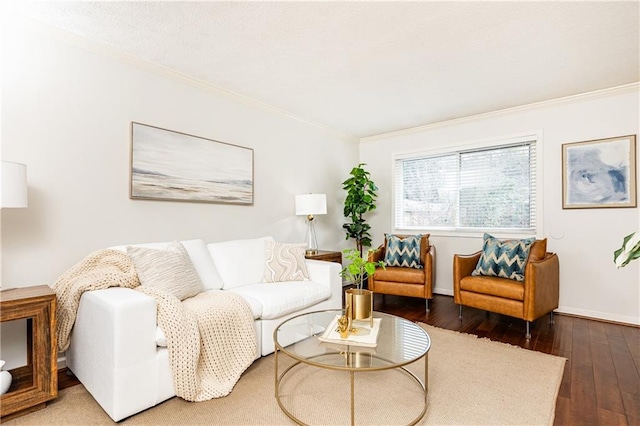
{"x":210,"y":337}
{"x":99,"y":270}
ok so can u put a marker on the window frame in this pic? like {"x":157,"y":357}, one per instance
{"x":495,"y":142}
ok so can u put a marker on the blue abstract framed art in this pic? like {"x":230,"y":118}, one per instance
{"x":175,"y":166}
{"x":599,"y":173}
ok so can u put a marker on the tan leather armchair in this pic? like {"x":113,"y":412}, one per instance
{"x":400,"y":281}
{"x":528,"y":300}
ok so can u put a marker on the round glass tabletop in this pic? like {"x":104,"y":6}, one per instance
{"x":399,"y":342}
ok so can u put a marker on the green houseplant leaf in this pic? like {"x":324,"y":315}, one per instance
{"x":360,"y":199}
{"x":359,"y":267}
{"x":629,"y":251}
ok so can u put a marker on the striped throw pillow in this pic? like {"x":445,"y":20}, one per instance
{"x":505,"y":259}
{"x":169,"y":270}
{"x":403,"y":252}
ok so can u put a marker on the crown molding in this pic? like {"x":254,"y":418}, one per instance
{"x":625,"y":88}
{"x":49,"y":31}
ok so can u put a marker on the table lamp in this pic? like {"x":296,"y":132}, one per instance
{"x":309,"y":205}
{"x":13,"y":187}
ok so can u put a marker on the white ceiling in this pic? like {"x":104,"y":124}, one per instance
{"x":366,"y":68}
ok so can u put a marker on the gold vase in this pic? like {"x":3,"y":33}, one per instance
{"x":360,"y":304}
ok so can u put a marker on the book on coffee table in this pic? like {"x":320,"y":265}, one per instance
{"x":364,"y":334}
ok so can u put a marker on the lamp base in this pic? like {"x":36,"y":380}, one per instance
{"x":311,"y":241}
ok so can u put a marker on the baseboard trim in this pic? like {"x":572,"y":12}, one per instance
{"x":578,"y":313}
{"x":590,"y":318}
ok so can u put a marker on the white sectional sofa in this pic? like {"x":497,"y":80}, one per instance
{"x":118,"y":352}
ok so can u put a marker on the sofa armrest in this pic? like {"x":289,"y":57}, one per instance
{"x":429,"y":263}
{"x":463,"y":266}
{"x":113,"y":351}
{"x":114,"y":328}
{"x":327,"y":273}
{"x":541,"y":286}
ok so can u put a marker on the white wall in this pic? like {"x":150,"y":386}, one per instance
{"x":66,"y":113}
{"x":584,"y":239}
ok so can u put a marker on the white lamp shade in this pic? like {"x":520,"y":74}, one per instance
{"x":310,"y":204}
{"x":13,"y":188}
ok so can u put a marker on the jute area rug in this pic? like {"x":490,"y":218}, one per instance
{"x":472,"y":381}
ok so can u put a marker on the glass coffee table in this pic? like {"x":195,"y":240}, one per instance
{"x":400,"y":342}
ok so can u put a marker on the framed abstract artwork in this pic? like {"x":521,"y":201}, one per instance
{"x":599,"y":173}
{"x":170,"y":165}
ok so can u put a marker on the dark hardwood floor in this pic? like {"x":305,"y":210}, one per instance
{"x":601,"y":382}
{"x":66,"y":379}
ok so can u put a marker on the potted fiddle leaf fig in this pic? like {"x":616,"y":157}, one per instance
{"x":361,"y":197}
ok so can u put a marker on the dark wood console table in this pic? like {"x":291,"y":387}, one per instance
{"x":326,"y":255}
{"x":37,"y":382}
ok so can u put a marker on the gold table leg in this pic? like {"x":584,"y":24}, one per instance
{"x":353,"y":408}
{"x":276,"y":370}
{"x":424,"y":385}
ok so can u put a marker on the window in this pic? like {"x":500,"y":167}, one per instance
{"x":489,"y":188}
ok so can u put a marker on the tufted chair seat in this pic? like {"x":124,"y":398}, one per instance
{"x":398,"y":274}
{"x":493,"y":286}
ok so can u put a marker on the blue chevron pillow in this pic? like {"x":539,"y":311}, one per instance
{"x":403,"y":252}
{"x":505,"y":259}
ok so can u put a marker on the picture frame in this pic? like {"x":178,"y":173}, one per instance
{"x":175,"y":166}
{"x":599,"y":173}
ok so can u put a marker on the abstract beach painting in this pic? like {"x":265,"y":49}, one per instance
{"x":169,"y":165}
{"x":599,"y":173}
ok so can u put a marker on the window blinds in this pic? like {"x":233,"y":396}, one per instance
{"x":489,"y":188}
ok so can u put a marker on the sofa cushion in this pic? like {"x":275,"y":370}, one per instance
{"x":403,"y":252}
{"x":255,"y":305}
{"x":239,"y":262}
{"x":506,"y":259}
{"x":169,"y":270}
{"x":197,"y":250}
{"x":278,"y":299}
{"x":493,"y":286}
{"x":161,"y":338}
{"x":403,"y":275}
{"x":284,"y":262}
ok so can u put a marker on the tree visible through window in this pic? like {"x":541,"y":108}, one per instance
{"x":492,"y":188}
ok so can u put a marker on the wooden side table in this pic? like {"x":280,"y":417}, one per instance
{"x":326,"y":255}
{"x":37,"y":382}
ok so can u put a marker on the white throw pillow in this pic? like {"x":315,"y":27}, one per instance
{"x":284,"y":262}
{"x":203,"y":263}
{"x":169,"y":270}
{"x":239,"y":262}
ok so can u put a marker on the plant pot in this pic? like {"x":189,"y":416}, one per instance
{"x":360,"y":304}
{"x":5,"y":380}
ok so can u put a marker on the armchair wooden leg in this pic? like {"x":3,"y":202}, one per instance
{"x":528,"y":335}
{"x":460,"y":312}
{"x":551,"y":320}
{"x":427,"y":301}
